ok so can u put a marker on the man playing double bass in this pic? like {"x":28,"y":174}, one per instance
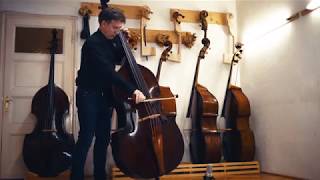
{"x":94,"y":98}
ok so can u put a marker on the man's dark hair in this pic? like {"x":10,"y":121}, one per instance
{"x":109,"y":14}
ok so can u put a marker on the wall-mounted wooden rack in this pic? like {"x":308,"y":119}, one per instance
{"x":152,"y":34}
{"x":134,"y":12}
{"x":131,"y":12}
{"x":192,"y":16}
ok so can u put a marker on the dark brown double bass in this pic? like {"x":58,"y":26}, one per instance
{"x":47,"y":150}
{"x":168,"y":106}
{"x":153,"y":145}
{"x":205,"y":141}
{"x":238,"y":141}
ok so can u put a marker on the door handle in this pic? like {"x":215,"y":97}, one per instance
{"x":6,"y":102}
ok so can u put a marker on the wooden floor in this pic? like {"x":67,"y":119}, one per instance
{"x":261,"y":176}
{"x":221,"y":171}
{"x":239,"y":177}
{"x":254,"y":177}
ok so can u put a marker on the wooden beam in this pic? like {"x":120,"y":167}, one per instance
{"x":151,"y":35}
{"x":134,"y":12}
{"x":131,"y":12}
{"x":192,"y":16}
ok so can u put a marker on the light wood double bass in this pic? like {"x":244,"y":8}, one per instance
{"x":205,"y":141}
{"x":238,"y":143}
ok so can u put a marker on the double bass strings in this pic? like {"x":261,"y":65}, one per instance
{"x":150,"y":108}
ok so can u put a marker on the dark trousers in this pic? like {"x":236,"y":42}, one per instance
{"x":95,"y":121}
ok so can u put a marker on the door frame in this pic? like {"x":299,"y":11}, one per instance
{"x":2,"y":51}
{"x":73,"y":56}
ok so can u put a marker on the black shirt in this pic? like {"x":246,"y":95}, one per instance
{"x":99,"y":56}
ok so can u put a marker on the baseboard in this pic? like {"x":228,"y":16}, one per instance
{"x":284,"y":176}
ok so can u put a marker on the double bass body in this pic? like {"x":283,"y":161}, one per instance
{"x":168,"y":107}
{"x":47,"y":152}
{"x":205,"y":141}
{"x":239,"y":141}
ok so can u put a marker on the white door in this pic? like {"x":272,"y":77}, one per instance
{"x":24,"y":73}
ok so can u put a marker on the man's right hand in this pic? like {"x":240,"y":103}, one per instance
{"x":138,"y":96}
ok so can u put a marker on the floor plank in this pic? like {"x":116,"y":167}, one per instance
{"x":261,"y":176}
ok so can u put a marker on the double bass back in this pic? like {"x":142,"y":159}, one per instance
{"x":205,"y":141}
{"x":238,"y":142}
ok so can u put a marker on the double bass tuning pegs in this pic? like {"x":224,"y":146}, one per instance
{"x":239,"y":51}
{"x":238,"y":46}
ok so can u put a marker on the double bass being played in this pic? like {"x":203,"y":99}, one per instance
{"x":94,"y":97}
{"x":153,"y":149}
{"x":155,"y":141}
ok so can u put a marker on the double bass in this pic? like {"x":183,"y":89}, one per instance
{"x":47,"y":151}
{"x":205,"y":141}
{"x":168,"y":106}
{"x":153,"y":145}
{"x":238,"y":141}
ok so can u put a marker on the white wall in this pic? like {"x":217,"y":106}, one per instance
{"x":280,"y":75}
{"x":179,"y":76}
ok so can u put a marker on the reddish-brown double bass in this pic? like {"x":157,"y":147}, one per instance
{"x":205,"y":141}
{"x":152,"y":145}
{"x":238,"y":141}
{"x":168,"y":106}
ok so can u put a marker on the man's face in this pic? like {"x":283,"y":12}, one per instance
{"x":111,"y":29}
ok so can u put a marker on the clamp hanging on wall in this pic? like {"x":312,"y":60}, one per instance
{"x":85,"y":13}
{"x":176,"y":57}
{"x":145,"y":51}
{"x":192,"y":16}
{"x":225,"y":19}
